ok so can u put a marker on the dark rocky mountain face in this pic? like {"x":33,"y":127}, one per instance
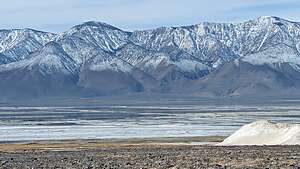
{"x":257,"y":57}
{"x":241,"y":78}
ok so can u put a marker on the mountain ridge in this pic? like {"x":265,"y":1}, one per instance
{"x":103,"y":59}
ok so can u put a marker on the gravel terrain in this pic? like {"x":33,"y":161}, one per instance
{"x":150,"y":156}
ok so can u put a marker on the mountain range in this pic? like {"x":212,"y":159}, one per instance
{"x":253,"y":58}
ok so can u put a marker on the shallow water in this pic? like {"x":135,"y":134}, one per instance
{"x":132,"y":121}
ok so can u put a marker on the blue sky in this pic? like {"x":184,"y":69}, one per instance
{"x":59,"y":15}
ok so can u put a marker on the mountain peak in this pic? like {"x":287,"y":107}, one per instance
{"x":273,"y":19}
{"x":26,"y":30}
{"x":96,"y":24}
{"x":269,"y":17}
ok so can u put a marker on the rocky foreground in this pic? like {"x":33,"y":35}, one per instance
{"x":148,"y":156}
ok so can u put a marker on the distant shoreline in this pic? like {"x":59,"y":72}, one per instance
{"x":46,"y":144}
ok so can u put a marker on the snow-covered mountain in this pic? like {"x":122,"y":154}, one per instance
{"x":215,"y":59}
{"x":90,"y":38}
{"x":49,"y":71}
{"x":18,"y":44}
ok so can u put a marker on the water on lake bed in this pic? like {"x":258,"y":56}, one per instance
{"x":103,"y":122}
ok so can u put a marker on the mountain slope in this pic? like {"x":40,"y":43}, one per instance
{"x":18,"y":44}
{"x":49,"y":72}
{"x":90,"y":39}
{"x":241,"y":78}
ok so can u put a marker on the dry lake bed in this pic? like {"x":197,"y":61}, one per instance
{"x":157,"y":133}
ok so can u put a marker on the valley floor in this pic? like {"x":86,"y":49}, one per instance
{"x":151,"y":153}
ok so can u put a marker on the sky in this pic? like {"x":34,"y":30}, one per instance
{"x":60,"y":15}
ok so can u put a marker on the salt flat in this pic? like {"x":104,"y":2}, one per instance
{"x":135,"y":119}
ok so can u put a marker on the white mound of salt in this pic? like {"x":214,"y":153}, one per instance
{"x":265,"y":133}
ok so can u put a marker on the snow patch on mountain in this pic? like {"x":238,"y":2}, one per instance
{"x":84,"y":41}
{"x":113,"y":64}
{"x":50,"y":60}
{"x":277,"y":54}
{"x":17,"y":44}
{"x":191,"y":65}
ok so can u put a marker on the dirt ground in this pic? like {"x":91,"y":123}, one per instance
{"x":145,"y":154}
